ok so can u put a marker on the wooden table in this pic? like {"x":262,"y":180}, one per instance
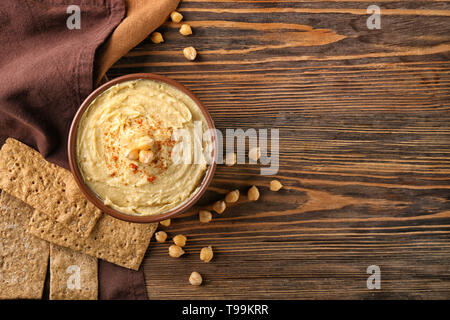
{"x":364,"y":123}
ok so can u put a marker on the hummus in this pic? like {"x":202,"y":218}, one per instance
{"x":116,"y":122}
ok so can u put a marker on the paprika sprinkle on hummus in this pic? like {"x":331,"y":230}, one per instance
{"x":129,"y":144}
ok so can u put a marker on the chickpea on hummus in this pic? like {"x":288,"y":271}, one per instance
{"x":125,"y":147}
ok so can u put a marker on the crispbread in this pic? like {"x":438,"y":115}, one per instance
{"x":25,"y":174}
{"x":73,"y":275}
{"x":119,"y":242}
{"x":23,"y":257}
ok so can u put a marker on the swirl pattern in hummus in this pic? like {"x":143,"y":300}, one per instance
{"x":115,"y":122}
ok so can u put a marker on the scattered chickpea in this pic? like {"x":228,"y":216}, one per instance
{"x":254,"y":153}
{"x":175,"y":251}
{"x":157,"y":37}
{"x":185,"y":29}
{"x":132,"y":154}
{"x":206,"y":254}
{"x":219,"y":206}
{"x":176,"y":16}
{"x":205,"y":216}
{"x":160,"y":236}
{"x":190,"y":53}
{"x":230,"y":159}
{"x":253,"y":193}
{"x":180,"y":240}
{"x":165,"y":223}
{"x":275,"y":185}
{"x":195,"y":279}
{"x":232,"y":196}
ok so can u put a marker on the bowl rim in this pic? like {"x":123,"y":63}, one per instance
{"x":92,"y":197}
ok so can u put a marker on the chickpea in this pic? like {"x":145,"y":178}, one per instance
{"x":254,"y":154}
{"x":185,"y":29}
{"x":156,"y":37}
{"x":190,"y":53}
{"x":132,"y":154}
{"x":204,"y":216}
{"x":165,"y":223}
{"x":146,"y":156}
{"x":232,"y":196}
{"x":160,"y":236}
{"x":175,"y":251}
{"x":206,"y":254}
{"x":219,"y":206}
{"x":195,"y":279}
{"x":145,"y":143}
{"x":253,"y":193}
{"x":176,"y":16}
{"x":180,"y":240}
{"x":230,"y":159}
{"x":275,"y":185}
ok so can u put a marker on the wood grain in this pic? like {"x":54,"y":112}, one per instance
{"x":364,"y":123}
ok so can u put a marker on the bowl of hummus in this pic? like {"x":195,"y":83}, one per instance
{"x":142,"y":148}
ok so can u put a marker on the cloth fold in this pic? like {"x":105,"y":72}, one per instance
{"x":143,"y":17}
{"x":48,"y":70}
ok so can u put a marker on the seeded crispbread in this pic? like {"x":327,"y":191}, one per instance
{"x":119,"y":242}
{"x":25,"y":174}
{"x":73,"y":275}
{"x":23,"y":257}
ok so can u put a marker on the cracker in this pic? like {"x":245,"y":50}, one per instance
{"x":23,"y":257}
{"x":25,"y":174}
{"x":73,"y":275}
{"x":119,"y":242}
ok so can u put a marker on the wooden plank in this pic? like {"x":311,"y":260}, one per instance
{"x":364,"y":148}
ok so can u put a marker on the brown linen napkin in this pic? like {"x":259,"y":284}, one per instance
{"x":47,"y":70}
